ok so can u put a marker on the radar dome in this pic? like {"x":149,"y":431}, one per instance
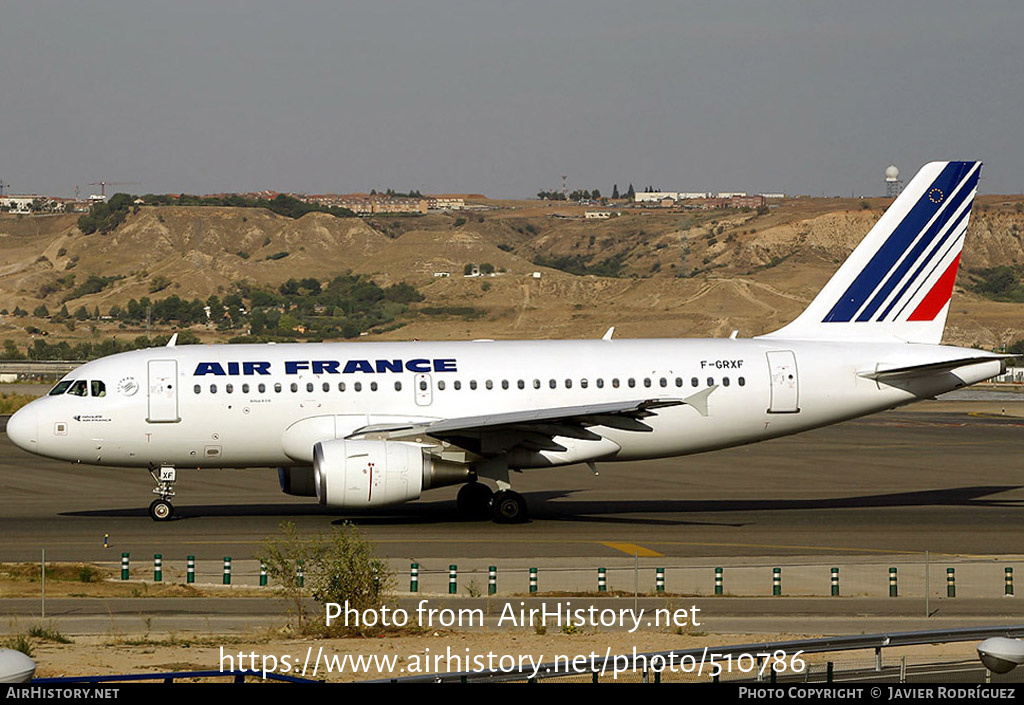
{"x":892,"y":173}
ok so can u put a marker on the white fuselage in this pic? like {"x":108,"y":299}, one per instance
{"x":203,"y":406}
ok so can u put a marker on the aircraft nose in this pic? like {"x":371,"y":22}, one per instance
{"x":22,"y":428}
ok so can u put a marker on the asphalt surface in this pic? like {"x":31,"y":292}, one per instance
{"x":949,"y":482}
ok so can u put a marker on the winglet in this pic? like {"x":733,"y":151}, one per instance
{"x":608,"y":335}
{"x":174,"y":339}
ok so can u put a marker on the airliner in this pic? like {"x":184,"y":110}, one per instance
{"x":360,"y":425}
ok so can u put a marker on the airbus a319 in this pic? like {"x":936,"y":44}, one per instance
{"x":361,"y":425}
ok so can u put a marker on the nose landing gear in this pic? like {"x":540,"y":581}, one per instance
{"x":161,"y":509}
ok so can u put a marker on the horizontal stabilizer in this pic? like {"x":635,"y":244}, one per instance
{"x":931,"y":368}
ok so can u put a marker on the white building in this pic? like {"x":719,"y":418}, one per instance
{"x":655,"y":196}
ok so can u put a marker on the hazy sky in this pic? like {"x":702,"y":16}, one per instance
{"x":503,"y":98}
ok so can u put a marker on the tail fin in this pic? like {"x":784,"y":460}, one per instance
{"x":897,"y":284}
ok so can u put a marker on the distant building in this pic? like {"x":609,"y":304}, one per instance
{"x":597,"y":215}
{"x":369,"y":204}
{"x":441,"y":203}
{"x":709,"y":204}
{"x":747,"y":201}
{"x":32,"y":203}
{"x":655,"y":196}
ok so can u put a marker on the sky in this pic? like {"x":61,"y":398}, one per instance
{"x":503,"y":98}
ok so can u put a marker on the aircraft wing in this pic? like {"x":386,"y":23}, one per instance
{"x":584,"y":415}
{"x":534,"y":429}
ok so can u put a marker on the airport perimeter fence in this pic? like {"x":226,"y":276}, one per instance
{"x":901,"y":576}
{"x":754,"y":663}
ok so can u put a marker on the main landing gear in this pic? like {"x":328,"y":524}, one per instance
{"x":508,"y":507}
{"x":476,"y":501}
{"x":161,"y":509}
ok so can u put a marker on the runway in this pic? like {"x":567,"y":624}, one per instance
{"x":938,"y":476}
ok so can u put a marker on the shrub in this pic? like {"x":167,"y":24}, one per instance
{"x":338,"y":567}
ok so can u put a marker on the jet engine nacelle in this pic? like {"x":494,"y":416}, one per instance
{"x":377,"y":473}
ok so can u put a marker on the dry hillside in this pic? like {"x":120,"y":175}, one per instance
{"x":676,"y":273}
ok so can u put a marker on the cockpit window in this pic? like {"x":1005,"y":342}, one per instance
{"x":61,"y":387}
{"x":79,"y":388}
{"x":98,"y":388}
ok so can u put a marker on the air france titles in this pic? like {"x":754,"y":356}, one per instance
{"x":329,"y":367}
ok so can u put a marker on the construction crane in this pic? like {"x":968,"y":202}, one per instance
{"x":103,"y":185}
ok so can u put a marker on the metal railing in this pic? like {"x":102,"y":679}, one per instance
{"x":39,"y":367}
{"x":642,"y":663}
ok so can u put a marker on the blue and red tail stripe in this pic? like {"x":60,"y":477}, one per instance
{"x":917,"y":240}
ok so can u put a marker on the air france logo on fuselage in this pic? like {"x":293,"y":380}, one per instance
{"x":328,"y":367}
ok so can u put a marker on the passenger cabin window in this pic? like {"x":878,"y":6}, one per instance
{"x":458,"y":385}
{"x":600,"y":383}
{"x":725,"y":381}
{"x":583,"y":383}
{"x":694,"y":382}
{"x":741,"y":381}
{"x":440,"y":384}
{"x":489,"y":384}
{"x":229,"y":388}
{"x":245,"y":388}
{"x":327,"y":386}
{"x":504,"y":384}
{"x":196,"y":389}
{"x":294,"y":387}
{"x":373,"y":386}
{"x":213,"y":389}
{"x":277,"y":386}
{"x":358,"y":386}
{"x":472,"y":384}
{"x":309,"y":386}
{"x":262,"y":388}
